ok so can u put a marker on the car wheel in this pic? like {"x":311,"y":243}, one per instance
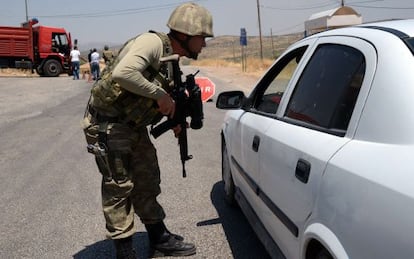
{"x":323,"y":254}
{"x":229,"y":188}
{"x":39,"y":72}
{"x":52,"y":68}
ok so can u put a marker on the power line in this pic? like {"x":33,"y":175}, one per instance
{"x":114,"y":13}
{"x":382,"y":7}
{"x":364,"y":2}
{"x":320,"y":5}
{"x":358,"y":4}
{"x":290,"y":28}
{"x":335,"y":3}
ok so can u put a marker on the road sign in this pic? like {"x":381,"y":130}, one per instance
{"x":208,"y":88}
{"x":243,"y":37}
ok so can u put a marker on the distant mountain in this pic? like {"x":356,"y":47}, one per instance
{"x":98,"y":45}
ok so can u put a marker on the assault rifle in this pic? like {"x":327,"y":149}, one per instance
{"x":187,"y":97}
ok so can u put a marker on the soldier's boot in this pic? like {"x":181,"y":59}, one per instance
{"x":164,"y":243}
{"x":178,"y":237}
{"x":124,"y":248}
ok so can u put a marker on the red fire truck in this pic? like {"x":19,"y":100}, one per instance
{"x":40,"y":48}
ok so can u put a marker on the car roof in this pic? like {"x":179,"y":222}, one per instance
{"x":393,"y":76}
{"x":377,"y":32}
{"x":401,"y":28}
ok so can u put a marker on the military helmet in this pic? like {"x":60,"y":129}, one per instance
{"x":106,"y":47}
{"x":191,"y":19}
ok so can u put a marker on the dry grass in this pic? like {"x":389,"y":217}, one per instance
{"x":254,"y":66}
{"x":16,"y":72}
{"x":225,"y":51}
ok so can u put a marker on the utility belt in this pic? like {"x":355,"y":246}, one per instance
{"x":99,"y":118}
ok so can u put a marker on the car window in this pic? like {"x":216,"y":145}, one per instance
{"x":327,"y":90}
{"x":270,"y":95}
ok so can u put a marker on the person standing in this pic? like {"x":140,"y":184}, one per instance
{"x":90,"y":65}
{"x":107,"y":55}
{"x":95,"y":58}
{"x":75,"y":62}
{"x":133,"y":93}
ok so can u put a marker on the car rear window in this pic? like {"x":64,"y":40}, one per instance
{"x":327,"y":90}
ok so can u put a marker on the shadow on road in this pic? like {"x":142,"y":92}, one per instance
{"x":241,"y":237}
{"x":105,"y":249}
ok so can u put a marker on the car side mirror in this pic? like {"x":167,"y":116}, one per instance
{"x":230,"y":100}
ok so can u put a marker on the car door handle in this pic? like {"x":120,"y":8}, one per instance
{"x":256,"y":143}
{"x":303,"y":170}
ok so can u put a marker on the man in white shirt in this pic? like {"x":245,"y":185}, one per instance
{"x":95,"y":57}
{"x":75,"y":61}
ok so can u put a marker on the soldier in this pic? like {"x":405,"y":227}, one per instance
{"x":107,"y":55}
{"x":132,"y":93}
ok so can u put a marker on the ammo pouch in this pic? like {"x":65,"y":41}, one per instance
{"x":91,"y":130}
{"x":119,"y":157}
{"x":106,"y":91}
{"x":134,"y":110}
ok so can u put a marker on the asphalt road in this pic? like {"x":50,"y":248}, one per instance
{"x":50,"y":187}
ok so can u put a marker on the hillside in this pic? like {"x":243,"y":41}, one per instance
{"x":225,"y":51}
{"x":228,"y":47}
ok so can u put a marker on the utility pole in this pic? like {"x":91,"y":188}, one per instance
{"x":27,"y":15}
{"x":260,"y":30}
{"x":273,"y":47}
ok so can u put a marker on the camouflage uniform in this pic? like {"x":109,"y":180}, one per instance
{"x":131,"y":181}
{"x":135,"y":180}
{"x":122,"y":105}
{"x":107,"y":55}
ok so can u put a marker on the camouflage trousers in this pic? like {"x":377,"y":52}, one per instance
{"x":131,"y":178}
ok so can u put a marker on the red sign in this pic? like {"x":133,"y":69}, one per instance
{"x":208,"y":88}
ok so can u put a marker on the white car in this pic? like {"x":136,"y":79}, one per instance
{"x":318,"y":156}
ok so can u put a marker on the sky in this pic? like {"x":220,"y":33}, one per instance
{"x":112,"y":22}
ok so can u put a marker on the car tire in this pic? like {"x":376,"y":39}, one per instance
{"x":39,"y":72}
{"x":52,"y":68}
{"x":229,"y":188}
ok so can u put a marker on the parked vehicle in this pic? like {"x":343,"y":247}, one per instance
{"x":318,"y":155}
{"x":45,"y":49}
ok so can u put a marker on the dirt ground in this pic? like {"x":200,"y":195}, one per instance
{"x":234,"y":74}
{"x":12,"y":72}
